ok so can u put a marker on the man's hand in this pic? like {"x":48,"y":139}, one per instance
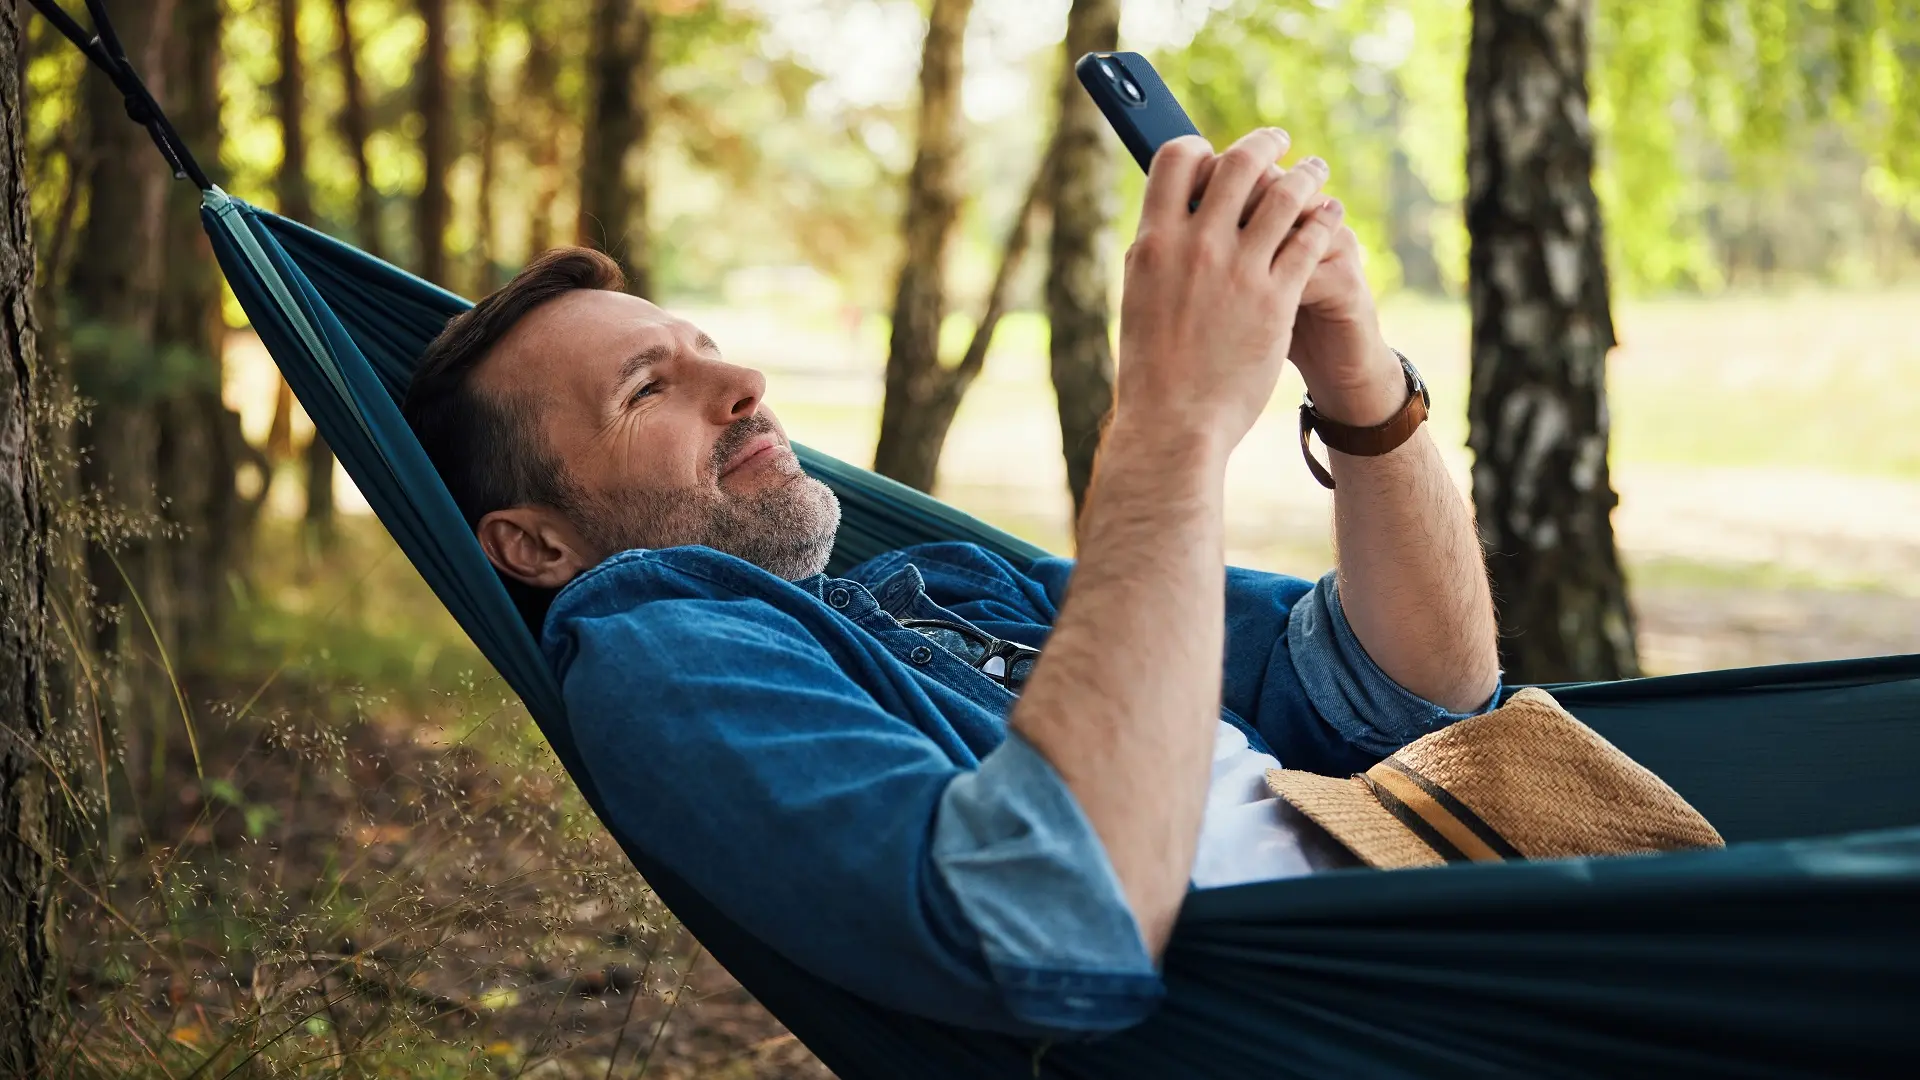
{"x":1412,"y":580}
{"x":1126,"y":698}
{"x":1209,"y":303}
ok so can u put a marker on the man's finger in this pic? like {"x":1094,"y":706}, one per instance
{"x":1302,"y":252}
{"x":1170,"y":178}
{"x":1231,"y":183}
{"x":1272,"y":173}
{"x":1284,"y":204}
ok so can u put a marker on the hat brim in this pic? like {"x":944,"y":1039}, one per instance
{"x":1347,"y":809}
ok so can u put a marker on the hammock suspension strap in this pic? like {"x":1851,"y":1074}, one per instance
{"x":103,"y":48}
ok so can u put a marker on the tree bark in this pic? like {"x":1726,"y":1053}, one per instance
{"x":543,"y":109}
{"x":1542,"y":327}
{"x":30,"y":809}
{"x":921,"y":395}
{"x":201,"y":448}
{"x":1080,"y":186}
{"x":486,"y":277}
{"x":112,"y":304}
{"x":355,"y":130}
{"x":613,"y":195}
{"x":296,"y":202}
{"x":436,"y":144}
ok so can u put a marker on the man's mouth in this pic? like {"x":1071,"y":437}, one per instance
{"x":758,"y":448}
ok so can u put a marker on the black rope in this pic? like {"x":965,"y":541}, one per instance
{"x":104,"y":50}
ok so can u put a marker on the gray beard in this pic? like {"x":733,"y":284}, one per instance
{"x":786,"y":530}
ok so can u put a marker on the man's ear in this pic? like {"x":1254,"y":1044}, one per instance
{"x":534,"y":545}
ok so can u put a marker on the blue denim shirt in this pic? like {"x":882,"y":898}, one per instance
{"x":850,"y":793}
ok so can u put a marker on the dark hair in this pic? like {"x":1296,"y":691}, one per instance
{"x":486,"y":446}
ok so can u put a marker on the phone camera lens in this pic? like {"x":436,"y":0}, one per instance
{"x":1131,"y":91}
{"x":1106,"y":68}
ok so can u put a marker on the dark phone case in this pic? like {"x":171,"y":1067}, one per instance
{"x":1143,"y":127}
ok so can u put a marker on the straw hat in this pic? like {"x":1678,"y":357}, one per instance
{"x":1525,"y":781}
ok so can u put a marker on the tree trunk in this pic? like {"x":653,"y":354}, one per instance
{"x":921,"y":395}
{"x":485,"y":278}
{"x":543,"y":113}
{"x":1081,"y":194}
{"x":201,"y":446}
{"x":296,"y":202}
{"x":1542,"y":328}
{"x":290,"y":97}
{"x":1410,"y":210}
{"x":30,"y":807}
{"x":612,"y":194}
{"x":113,"y":299}
{"x":355,"y":131}
{"x":436,"y":144}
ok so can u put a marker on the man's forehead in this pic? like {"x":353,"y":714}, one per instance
{"x":578,"y":341}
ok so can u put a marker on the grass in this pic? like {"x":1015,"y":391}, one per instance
{"x":383,"y":872}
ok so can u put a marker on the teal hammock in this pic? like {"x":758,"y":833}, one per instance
{"x":1795,"y":951}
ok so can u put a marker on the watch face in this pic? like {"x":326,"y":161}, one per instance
{"x":1415,"y":384}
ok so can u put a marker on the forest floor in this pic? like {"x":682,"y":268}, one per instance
{"x":376,"y":869}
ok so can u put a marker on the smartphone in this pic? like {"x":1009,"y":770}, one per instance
{"x":1138,"y":105}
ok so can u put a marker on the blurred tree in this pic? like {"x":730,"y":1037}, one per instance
{"x":433,"y":209}
{"x":542,"y":112}
{"x":31,"y":806}
{"x":355,"y":131}
{"x":480,"y":100}
{"x":1542,"y":327}
{"x":1081,"y":194}
{"x":111,"y":304}
{"x":613,"y":192}
{"x":296,"y":202}
{"x":201,"y":448}
{"x":922,"y":393}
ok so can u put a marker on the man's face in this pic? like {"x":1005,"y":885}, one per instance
{"x":662,"y":444}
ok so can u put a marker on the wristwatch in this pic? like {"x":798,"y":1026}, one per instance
{"x":1372,"y":441}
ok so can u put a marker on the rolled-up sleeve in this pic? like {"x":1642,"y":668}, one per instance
{"x":1296,"y":672}
{"x":1033,"y":878}
{"x":1347,"y":688}
{"x":835,"y":830}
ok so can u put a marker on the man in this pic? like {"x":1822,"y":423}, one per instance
{"x":872,"y":773}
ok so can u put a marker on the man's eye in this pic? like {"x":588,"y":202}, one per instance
{"x":643,"y":390}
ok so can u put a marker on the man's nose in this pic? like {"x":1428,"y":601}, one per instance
{"x":739,"y":392}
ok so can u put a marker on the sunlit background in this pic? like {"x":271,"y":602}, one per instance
{"x":1767,"y":428}
{"x":369,"y":820}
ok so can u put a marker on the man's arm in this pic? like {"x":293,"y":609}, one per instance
{"x":1124,"y":702}
{"x":1413,"y":582}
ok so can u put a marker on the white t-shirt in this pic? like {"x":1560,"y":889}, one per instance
{"x":1248,"y":834}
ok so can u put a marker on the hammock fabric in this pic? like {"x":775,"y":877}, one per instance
{"x":1794,"y":952}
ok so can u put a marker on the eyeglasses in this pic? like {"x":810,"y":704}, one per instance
{"x":1005,"y":662}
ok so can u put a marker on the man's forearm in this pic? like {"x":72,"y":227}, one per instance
{"x":1126,"y":697}
{"x":1413,"y":582}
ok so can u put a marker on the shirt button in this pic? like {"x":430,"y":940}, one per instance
{"x":920,"y":655}
{"x":839,"y":598}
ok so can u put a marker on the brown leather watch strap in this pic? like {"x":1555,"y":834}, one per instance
{"x":1372,"y":441}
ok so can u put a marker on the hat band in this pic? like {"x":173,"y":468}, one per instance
{"x":1442,"y":822}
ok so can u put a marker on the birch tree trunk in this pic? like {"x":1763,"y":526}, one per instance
{"x":1080,"y":183}
{"x":29,"y":803}
{"x":1542,"y":328}
{"x":921,"y":395}
{"x":613,"y":194}
{"x":436,"y":145}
